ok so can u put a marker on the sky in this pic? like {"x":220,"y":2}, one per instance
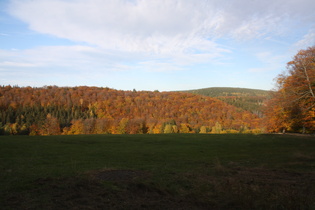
{"x":151,"y":45}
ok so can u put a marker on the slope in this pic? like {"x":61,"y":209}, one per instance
{"x":248,"y":99}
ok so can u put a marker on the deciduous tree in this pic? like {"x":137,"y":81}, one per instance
{"x":292,"y":105}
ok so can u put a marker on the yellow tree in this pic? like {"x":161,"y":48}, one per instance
{"x":168,"y":128}
{"x":122,"y":126}
{"x":76,"y":127}
{"x":184,"y":128}
{"x":217,"y":128}
{"x":203,"y":129}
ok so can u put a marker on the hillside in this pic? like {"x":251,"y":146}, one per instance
{"x":247,"y":99}
{"x":87,"y":110}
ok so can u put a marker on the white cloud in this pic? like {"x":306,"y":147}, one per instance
{"x":145,"y":26}
{"x":46,"y":56}
{"x":158,"y":26}
{"x":15,"y":64}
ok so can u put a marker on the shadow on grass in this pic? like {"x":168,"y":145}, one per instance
{"x":224,"y":188}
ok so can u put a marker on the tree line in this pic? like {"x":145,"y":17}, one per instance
{"x":55,"y":110}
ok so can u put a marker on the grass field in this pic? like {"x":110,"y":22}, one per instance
{"x":181,"y":171}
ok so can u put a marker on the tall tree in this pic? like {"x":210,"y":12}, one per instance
{"x":292,"y":106}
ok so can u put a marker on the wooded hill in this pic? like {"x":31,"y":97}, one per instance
{"x":247,"y":99}
{"x":88,"y":110}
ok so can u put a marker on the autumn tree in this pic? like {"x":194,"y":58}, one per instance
{"x":203,"y":129}
{"x":168,"y":128}
{"x":122,"y":126}
{"x":77,"y":127}
{"x":217,"y":128}
{"x":51,"y":126}
{"x":292,"y":106}
{"x":184,"y":128}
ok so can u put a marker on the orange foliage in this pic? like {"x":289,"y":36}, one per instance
{"x":87,"y":110}
{"x":291,"y":107}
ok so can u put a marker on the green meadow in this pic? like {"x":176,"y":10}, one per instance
{"x":167,"y":171}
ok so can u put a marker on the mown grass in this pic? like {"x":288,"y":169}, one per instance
{"x":181,"y":171}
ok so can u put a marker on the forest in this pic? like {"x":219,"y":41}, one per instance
{"x":248,"y":99}
{"x":53,"y":110}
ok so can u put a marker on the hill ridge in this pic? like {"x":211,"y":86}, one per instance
{"x":217,"y":91}
{"x":245,"y":98}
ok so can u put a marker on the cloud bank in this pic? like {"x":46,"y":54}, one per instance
{"x":161,"y":26}
{"x":157,"y":35}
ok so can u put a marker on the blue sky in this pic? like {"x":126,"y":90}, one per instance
{"x":151,"y":44}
